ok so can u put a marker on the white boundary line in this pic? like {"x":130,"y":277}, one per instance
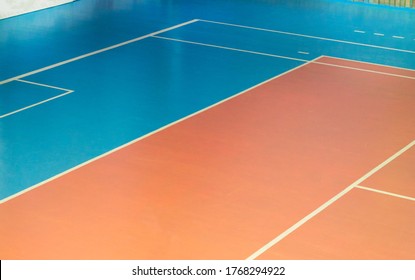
{"x":42,"y":85}
{"x":147,"y":135}
{"x":386,"y":193}
{"x":372,"y":63}
{"x":96,"y":52}
{"x":308,"y":36}
{"x":327,"y":204}
{"x":228,"y":48}
{"x":363,"y":70}
{"x":285,"y":57}
{"x":36,"y":104}
{"x":66,"y":92}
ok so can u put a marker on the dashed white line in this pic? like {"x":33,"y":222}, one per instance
{"x":279,"y":56}
{"x":398,"y":37}
{"x":308,"y":36}
{"x":378,"y":34}
{"x":360,"y":31}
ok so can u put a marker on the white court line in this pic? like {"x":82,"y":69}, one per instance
{"x":360,"y":31}
{"x":42,"y":85}
{"x":284,"y":57}
{"x":301,"y":52}
{"x":308,"y":36}
{"x":327,"y":204}
{"x":66,"y":92}
{"x":364,"y":70}
{"x":372,"y":63}
{"x":378,"y":34}
{"x":96,"y":52}
{"x":228,"y":48}
{"x":386,"y":193}
{"x":36,"y":104}
{"x":148,"y":135}
{"x":398,"y":37}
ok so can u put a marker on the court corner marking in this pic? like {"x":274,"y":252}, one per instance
{"x":325,"y":205}
{"x":66,"y":92}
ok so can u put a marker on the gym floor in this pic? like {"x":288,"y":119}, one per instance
{"x":222,"y":129}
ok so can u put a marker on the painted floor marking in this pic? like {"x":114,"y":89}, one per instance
{"x":96,"y":52}
{"x":43,"y":85}
{"x":148,"y":135}
{"x":283,"y":57}
{"x":301,"y":52}
{"x":365,"y":70}
{"x":328,"y":203}
{"x":66,"y":92}
{"x":386,"y":193}
{"x":398,"y":37}
{"x":360,"y":31}
{"x":309,"y":36}
{"x":181,"y":25}
{"x":34,"y":105}
{"x":377,"y":64}
{"x":228,"y":48}
{"x":378,"y":34}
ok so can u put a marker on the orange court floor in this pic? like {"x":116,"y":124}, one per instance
{"x":306,"y":165}
{"x":208,"y":130}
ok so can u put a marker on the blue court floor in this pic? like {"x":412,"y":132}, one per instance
{"x":189,"y":53}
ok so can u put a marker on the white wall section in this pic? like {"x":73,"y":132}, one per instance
{"x":9,"y":8}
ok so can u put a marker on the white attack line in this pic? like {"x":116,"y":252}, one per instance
{"x":327,"y":204}
{"x":231,"y":49}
